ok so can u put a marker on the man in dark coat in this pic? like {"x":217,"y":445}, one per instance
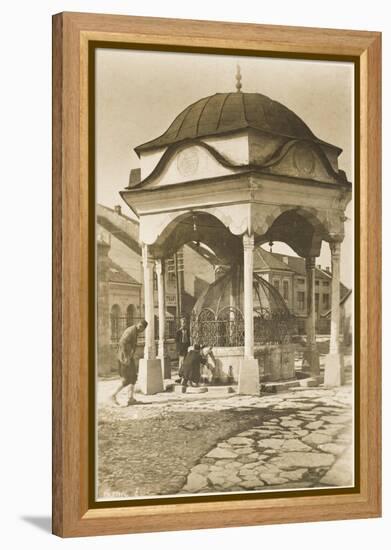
{"x":126,"y":363}
{"x":182,"y":343}
{"x":192,"y":367}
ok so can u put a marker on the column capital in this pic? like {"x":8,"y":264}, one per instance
{"x":248,"y":242}
{"x":159,"y":266}
{"x":147,"y":257}
{"x":335,"y":248}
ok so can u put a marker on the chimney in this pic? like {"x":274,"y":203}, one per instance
{"x":319,"y":267}
{"x":134,"y":177}
{"x":285,"y":259}
{"x":103,"y":242}
{"x":117,"y":208}
{"x":328,"y":269}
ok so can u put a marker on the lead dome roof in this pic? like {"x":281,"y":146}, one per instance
{"x":223,"y":113}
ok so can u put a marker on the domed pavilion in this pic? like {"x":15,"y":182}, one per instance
{"x":217,"y":320}
{"x":233,"y":171}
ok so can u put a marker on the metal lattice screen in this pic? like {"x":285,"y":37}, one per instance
{"x":217,"y":317}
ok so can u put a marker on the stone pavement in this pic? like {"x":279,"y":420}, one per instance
{"x":309,"y":446}
{"x":292,"y":440}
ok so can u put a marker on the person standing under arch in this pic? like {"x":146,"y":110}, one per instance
{"x":191,"y":367}
{"x":182,"y":339}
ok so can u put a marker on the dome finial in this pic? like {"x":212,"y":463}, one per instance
{"x":238,"y":79}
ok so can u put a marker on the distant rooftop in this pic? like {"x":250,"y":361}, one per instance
{"x":118,"y":275}
{"x":266,"y":261}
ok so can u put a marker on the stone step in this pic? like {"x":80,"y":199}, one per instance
{"x":215,"y":390}
{"x":310,"y":382}
{"x":277,"y":387}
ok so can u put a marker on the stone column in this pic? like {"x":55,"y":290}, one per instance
{"x":248,"y":382}
{"x":311,"y":355}
{"x":161,"y":291}
{"x":311,"y":313}
{"x":106,"y":355}
{"x":334,"y":367}
{"x":150,"y":374}
{"x":148,"y":266}
{"x":248,"y":298}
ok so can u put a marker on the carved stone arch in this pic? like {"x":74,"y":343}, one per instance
{"x":233,"y":217}
{"x":264,"y":216}
{"x":198,"y":225}
{"x":315,"y":217}
{"x":303,"y":229}
{"x":153,"y":225}
{"x":236,"y":217}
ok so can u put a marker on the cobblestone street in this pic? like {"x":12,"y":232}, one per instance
{"x":206,"y":443}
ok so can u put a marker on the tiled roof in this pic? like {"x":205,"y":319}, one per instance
{"x":298,"y":266}
{"x":121,"y":226}
{"x":127,"y":231}
{"x":267,"y":261}
{"x":118,"y":275}
{"x":342,"y":301}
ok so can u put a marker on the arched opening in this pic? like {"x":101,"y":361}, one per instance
{"x":209,"y":242}
{"x":115,"y":318}
{"x":286,"y":271}
{"x":222,"y":325}
{"x":199,"y":227}
{"x":130,"y":311}
{"x":300,"y":229}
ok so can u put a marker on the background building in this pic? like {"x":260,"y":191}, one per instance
{"x":187,"y":274}
{"x":120,"y":283}
{"x":288,"y":275}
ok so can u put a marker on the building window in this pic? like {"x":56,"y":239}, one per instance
{"x":115,"y":315}
{"x":317,"y":283}
{"x":326,"y":283}
{"x":129,"y":315}
{"x":169,"y":264}
{"x":326,"y":301}
{"x":285,"y":290}
{"x":171,"y":279}
{"x":301,"y":300}
{"x":276,"y":284}
{"x":173,"y":265}
{"x":316,"y":302}
{"x":301,"y":281}
{"x":154,"y":281}
{"x":179,"y":259}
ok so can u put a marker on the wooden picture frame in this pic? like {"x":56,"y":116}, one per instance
{"x":73,"y":34}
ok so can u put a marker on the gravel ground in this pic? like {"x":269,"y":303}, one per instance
{"x":152,"y":456}
{"x":174,"y":444}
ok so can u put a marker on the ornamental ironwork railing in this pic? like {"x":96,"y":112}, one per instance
{"x":227,"y":330}
{"x":119,"y":323}
{"x":273,"y":327}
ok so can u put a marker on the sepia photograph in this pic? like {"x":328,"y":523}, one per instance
{"x":225,"y":245}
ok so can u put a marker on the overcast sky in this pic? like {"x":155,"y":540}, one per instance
{"x":138,"y":95}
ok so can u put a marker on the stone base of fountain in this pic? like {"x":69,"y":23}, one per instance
{"x":276,"y":363}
